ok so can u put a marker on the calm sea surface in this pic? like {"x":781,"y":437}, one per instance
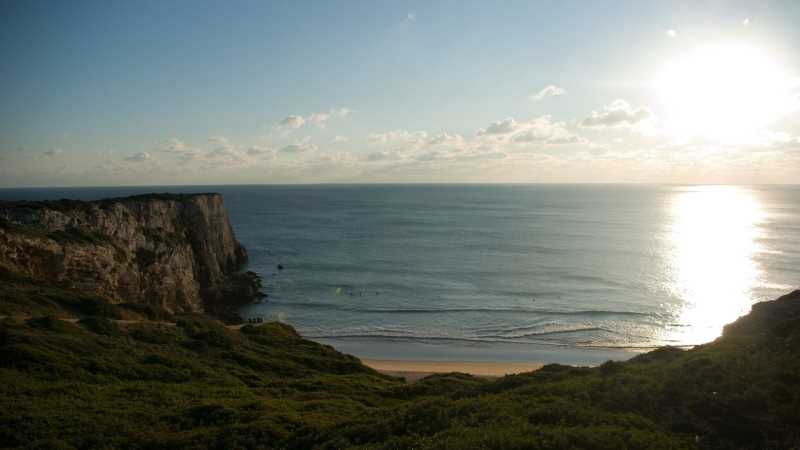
{"x":489,"y":272}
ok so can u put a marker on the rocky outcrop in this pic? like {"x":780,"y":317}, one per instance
{"x":177,"y":252}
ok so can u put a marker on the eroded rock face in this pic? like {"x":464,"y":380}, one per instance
{"x":173,"y":251}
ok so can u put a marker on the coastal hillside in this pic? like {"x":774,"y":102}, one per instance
{"x":95,"y":382}
{"x":174,"y":252}
{"x":106,"y":341}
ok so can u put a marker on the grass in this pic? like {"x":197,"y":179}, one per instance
{"x":199,"y":385}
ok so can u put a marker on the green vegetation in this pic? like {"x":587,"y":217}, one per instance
{"x":196,"y":385}
{"x":200,"y":385}
{"x":150,"y":312}
{"x":24,"y":296}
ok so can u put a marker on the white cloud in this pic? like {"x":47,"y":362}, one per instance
{"x":318,"y":119}
{"x":618,"y":113}
{"x":505,"y":126}
{"x":223,"y":154}
{"x":301,"y":147}
{"x":746,"y":21}
{"x":481,"y":153}
{"x":293,"y":122}
{"x":177,"y":147}
{"x":53,"y":152}
{"x":383,"y":156}
{"x":225,"y":150}
{"x":672,"y":33}
{"x":398,"y":135}
{"x":454,"y":140}
{"x":430,"y":156}
{"x":140,"y":157}
{"x":548,"y":91}
{"x":544,"y":130}
{"x":411,"y":16}
{"x":339,"y":139}
{"x":541,"y":130}
{"x":256,"y":150}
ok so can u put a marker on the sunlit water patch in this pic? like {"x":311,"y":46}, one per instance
{"x":712,"y":245}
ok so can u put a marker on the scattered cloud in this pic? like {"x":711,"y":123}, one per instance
{"x":411,"y":16}
{"x":302,"y":147}
{"x":293,"y":122}
{"x":505,"y":126}
{"x":227,"y":153}
{"x":548,"y":91}
{"x":256,"y":150}
{"x":397,"y":135}
{"x":140,"y":157}
{"x":318,"y":119}
{"x":383,"y":156}
{"x":618,"y":113}
{"x":544,"y":130}
{"x":672,"y":33}
{"x":446,"y":139}
{"x":541,"y":130}
{"x":53,"y":152}
{"x":746,"y":22}
{"x":222,"y":153}
{"x":482,"y":154}
{"x":510,"y":149}
{"x":177,"y":147}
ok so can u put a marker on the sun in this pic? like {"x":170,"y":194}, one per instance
{"x":727,"y":93}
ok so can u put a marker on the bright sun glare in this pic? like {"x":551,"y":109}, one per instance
{"x":714,"y":237}
{"x":726,"y":93}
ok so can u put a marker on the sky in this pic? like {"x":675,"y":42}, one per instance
{"x":255,"y":92}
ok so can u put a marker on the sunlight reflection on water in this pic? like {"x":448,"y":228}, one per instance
{"x":714,"y":235}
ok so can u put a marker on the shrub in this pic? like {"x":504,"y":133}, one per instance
{"x":90,"y":305}
{"x":205,"y":333}
{"x":51,"y":323}
{"x":151,"y":312}
{"x":152,"y":334}
{"x":101,"y":325}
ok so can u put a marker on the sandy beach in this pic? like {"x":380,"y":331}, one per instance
{"x":414,"y":370}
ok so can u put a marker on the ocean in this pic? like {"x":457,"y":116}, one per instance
{"x":552,"y":273}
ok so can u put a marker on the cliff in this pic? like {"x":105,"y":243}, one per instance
{"x":177,"y":252}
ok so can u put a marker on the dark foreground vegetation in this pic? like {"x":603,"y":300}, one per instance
{"x":195,"y":384}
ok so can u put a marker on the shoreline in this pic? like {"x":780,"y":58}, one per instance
{"x":508,"y":354}
{"x":413,"y":370}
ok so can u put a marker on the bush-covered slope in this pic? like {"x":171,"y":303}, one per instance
{"x":196,"y":384}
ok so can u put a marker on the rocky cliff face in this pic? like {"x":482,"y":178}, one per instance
{"x":177,"y":252}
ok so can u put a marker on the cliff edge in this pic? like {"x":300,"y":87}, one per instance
{"x":176,"y":252}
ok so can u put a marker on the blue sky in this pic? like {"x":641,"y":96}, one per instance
{"x":99,"y":93}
